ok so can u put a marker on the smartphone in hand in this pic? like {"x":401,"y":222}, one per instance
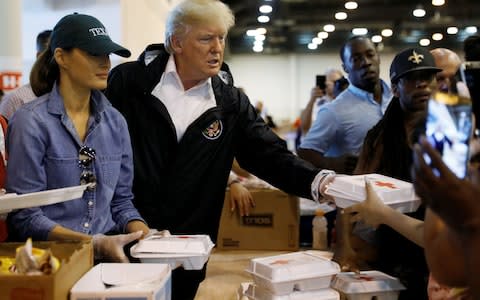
{"x":320,"y":81}
{"x":470,"y":74}
{"x":448,"y":128}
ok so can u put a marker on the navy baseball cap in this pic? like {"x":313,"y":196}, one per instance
{"x":86,"y":33}
{"x":410,"y":60}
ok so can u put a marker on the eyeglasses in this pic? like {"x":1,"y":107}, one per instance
{"x":86,"y":156}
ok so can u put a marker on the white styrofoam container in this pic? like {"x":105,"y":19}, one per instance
{"x":367,"y":285}
{"x":124,"y":281}
{"x":189,"y":251}
{"x":254,"y":292}
{"x":350,"y":190}
{"x":302,"y":271}
{"x":179,"y":244}
{"x":11,"y":201}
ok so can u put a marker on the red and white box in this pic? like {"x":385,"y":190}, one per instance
{"x":350,"y":190}
{"x":297,"y":271}
{"x":367,"y":285}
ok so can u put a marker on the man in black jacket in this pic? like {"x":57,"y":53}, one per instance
{"x":187,"y":122}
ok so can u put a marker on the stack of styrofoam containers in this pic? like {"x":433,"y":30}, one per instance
{"x":297,"y":275}
{"x":189,"y":251}
{"x":367,"y":285}
{"x":350,"y":190}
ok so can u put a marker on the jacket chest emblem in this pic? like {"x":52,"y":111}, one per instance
{"x":214,"y":130}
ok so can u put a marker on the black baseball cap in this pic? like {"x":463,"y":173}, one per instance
{"x":410,"y":60}
{"x":86,"y":33}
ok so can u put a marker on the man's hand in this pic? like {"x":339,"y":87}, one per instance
{"x":240,"y":199}
{"x":316,"y":92}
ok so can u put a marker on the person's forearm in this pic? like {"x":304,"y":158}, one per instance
{"x":409,"y":227}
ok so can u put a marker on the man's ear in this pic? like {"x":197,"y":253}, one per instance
{"x":176,"y":44}
{"x":395,"y":92}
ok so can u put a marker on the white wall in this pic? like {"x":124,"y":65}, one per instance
{"x":283,"y":82}
{"x":39,"y":15}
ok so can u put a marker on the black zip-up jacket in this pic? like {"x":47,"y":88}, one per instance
{"x":180,"y":186}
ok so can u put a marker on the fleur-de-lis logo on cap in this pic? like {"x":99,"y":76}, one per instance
{"x":416,"y":58}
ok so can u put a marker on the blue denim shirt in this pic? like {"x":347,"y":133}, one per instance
{"x":43,"y":150}
{"x":341,"y":125}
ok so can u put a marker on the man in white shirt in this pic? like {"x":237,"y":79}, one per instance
{"x":23,"y":94}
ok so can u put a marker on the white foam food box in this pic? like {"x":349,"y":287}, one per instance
{"x":124,"y":281}
{"x":296,"y":271}
{"x":189,"y":251}
{"x":11,"y":201}
{"x":350,"y":190}
{"x":367,"y":285}
{"x":254,"y":292}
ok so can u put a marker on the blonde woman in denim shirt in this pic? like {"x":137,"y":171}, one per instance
{"x":71,"y":135}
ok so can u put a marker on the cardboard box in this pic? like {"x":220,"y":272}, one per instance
{"x":124,"y":281}
{"x":76,"y":259}
{"x":273,"y":224}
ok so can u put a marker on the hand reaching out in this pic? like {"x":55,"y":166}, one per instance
{"x":371,"y":211}
{"x":110,"y":247}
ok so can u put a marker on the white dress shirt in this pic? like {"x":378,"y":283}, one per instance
{"x":183,"y":106}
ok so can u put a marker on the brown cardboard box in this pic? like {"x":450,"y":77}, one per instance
{"x":76,"y":259}
{"x":273,"y":224}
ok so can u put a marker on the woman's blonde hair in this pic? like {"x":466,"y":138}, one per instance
{"x":191,"y":12}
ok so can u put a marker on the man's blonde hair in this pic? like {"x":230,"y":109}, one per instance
{"x":189,"y":13}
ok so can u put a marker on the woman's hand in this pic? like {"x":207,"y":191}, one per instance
{"x":371,"y":211}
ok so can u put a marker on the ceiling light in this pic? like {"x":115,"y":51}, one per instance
{"x":252,"y":32}
{"x":360,"y":31}
{"x":263,"y":19}
{"x":260,"y":37}
{"x":261,"y":30}
{"x":424,"y":42}
{"x":329,"y":28}
{"x":471,"y":29}
{"x":341,"y":15}
{"x":312,"y":46}
{"x":419,"y":12}
{"x":257,"y":48}
{"x":452,"y":30}
{"x":322,"y":34}
{"x":258,"y":43}
{"x":317,"y":40}
{"x":387,"y":32}
{"x":376,"y":38}
{"x":351,"y":5}
{"x":437,"y":36}
{"x":438,"y":2}
{"x":265,"y":9}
